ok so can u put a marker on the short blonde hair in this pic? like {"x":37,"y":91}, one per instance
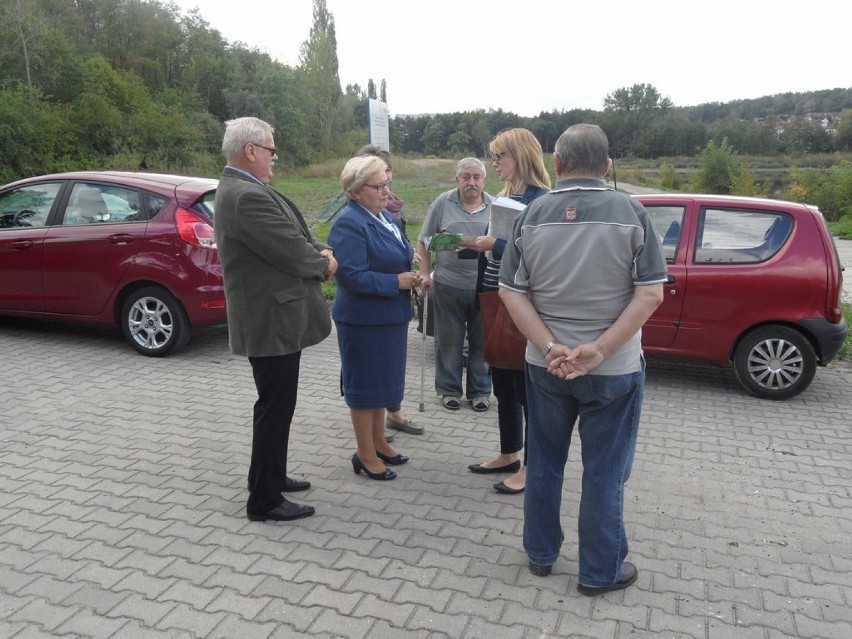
{"x":358,"y":170}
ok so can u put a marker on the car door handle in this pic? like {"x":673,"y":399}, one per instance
{"x":21,"y":244}
{"x":670,"y":279}
{"x":121,"y":238}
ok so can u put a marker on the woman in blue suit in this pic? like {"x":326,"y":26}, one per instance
{"x":372,"y":310}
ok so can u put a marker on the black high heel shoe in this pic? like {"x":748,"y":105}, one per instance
{"x":358,"y":466}
{"x":396,"y":460}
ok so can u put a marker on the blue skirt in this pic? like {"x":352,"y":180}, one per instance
{"x":373,"y":363}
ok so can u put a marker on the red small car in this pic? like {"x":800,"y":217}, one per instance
{"x":133,"y":249}
{"x":754,"y":281}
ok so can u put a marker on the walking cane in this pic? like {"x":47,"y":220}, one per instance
{"x":423,"y":351}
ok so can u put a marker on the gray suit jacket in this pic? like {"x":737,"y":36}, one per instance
{"x":272,"y":269}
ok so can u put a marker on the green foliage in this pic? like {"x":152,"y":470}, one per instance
{"x":744,"y":182}
{"x":718,"y":170}
{"x":843,"y":137}
{"x":842,"y":228}
{"x":136,"y":84}
{"x":35,"y":136}
{"x":668,"y":176}
{"x":830,"y":190}
{"x":802,"y":137}
{"x":631,"y":176}
{"x":639,"y":97}
{"x":318,"y":58}
{"x":460,"y":143}
{"x":329,"y":289}
{"x":845,"y":353}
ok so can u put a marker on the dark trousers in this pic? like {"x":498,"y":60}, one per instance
{"x":510,"y":391}
{"x":277,"y":382}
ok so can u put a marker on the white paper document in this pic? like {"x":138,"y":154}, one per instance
{"x":504,"y":210}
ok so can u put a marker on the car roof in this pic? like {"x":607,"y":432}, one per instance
{"x":136,"y":178}
{"x":186,"y":189}
{"x":742,"y":200}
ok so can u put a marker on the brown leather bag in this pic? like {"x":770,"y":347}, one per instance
{"x":504,"y":343}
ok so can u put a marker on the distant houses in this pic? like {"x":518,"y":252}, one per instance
{"x":827,"y":121}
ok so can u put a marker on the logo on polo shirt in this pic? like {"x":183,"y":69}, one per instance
{"x":570,"y":214}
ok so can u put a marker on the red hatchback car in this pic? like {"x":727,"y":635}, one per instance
{"x":754,"y":281}
{"x":133,"y":249}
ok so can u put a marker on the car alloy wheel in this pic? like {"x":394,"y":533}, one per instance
{"x":775,"y":362}
{"x":154,"y":322}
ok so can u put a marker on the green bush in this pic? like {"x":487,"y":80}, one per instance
{"x":842,"y":228}
{"x":845,"y":353}
{"x":830,"y":190}
{"x":719,"y":166}
{"x":668,"y":176}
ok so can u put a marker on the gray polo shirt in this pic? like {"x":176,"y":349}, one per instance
{"x":456,"y":269}
{"x":580,"y":251}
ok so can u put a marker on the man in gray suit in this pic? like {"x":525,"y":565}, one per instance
{"x":273,"y":271}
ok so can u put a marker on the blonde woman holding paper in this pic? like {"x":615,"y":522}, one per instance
{"x":517,"y":158}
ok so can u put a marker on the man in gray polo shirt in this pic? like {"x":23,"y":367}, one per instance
{"x":465,"y":210}
{"x":581,"y":274}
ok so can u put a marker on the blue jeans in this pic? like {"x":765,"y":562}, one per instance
{"x":457,"y":316}
{"x":608,"y":408}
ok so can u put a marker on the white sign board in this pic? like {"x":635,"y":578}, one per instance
{"x":378,"y":125}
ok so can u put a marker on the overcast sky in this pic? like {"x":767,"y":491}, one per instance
{"x":443,"y":56}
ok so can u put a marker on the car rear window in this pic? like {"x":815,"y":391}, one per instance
{"x":738,"y":236}
{"x":205,"y":205}
{"x":154,"y":204}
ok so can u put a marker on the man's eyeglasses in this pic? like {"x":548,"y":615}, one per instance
{"x":272,"y":150}
{"x":380,"y":187}
{"x":496,"y":157}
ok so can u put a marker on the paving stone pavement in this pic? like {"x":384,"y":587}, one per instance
{"x":122,"y":493}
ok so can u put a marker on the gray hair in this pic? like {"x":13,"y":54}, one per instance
{"x":242,"y":131}
{"x":583,"y":149}
{"x":375,"y":149}
{"x":467,"y":163}
{"x":358,"y":170}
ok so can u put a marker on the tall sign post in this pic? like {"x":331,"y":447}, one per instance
{"x":378,"y":124}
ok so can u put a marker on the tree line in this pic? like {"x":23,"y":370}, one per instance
{"x":136,"y":84}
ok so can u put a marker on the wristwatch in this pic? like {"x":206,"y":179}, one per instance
{"x":548,"y":346}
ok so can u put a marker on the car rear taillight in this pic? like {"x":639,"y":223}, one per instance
{"x":194,"y":230}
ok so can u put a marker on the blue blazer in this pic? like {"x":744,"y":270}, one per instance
{"x":369,"y":258}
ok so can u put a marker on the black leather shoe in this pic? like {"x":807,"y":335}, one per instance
{"x":501,"y":487}
{"x":286,"y":511}
{"x":295,"y":485}
{"x":540,"y":570}
{"x":514,"y":467}
{"x":396,"y":460}
{"x":628,"y":576}
{"x":358,"y":466}
{"x":291,"y":485}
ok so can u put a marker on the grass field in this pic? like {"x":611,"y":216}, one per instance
{"x":417,"y":182}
